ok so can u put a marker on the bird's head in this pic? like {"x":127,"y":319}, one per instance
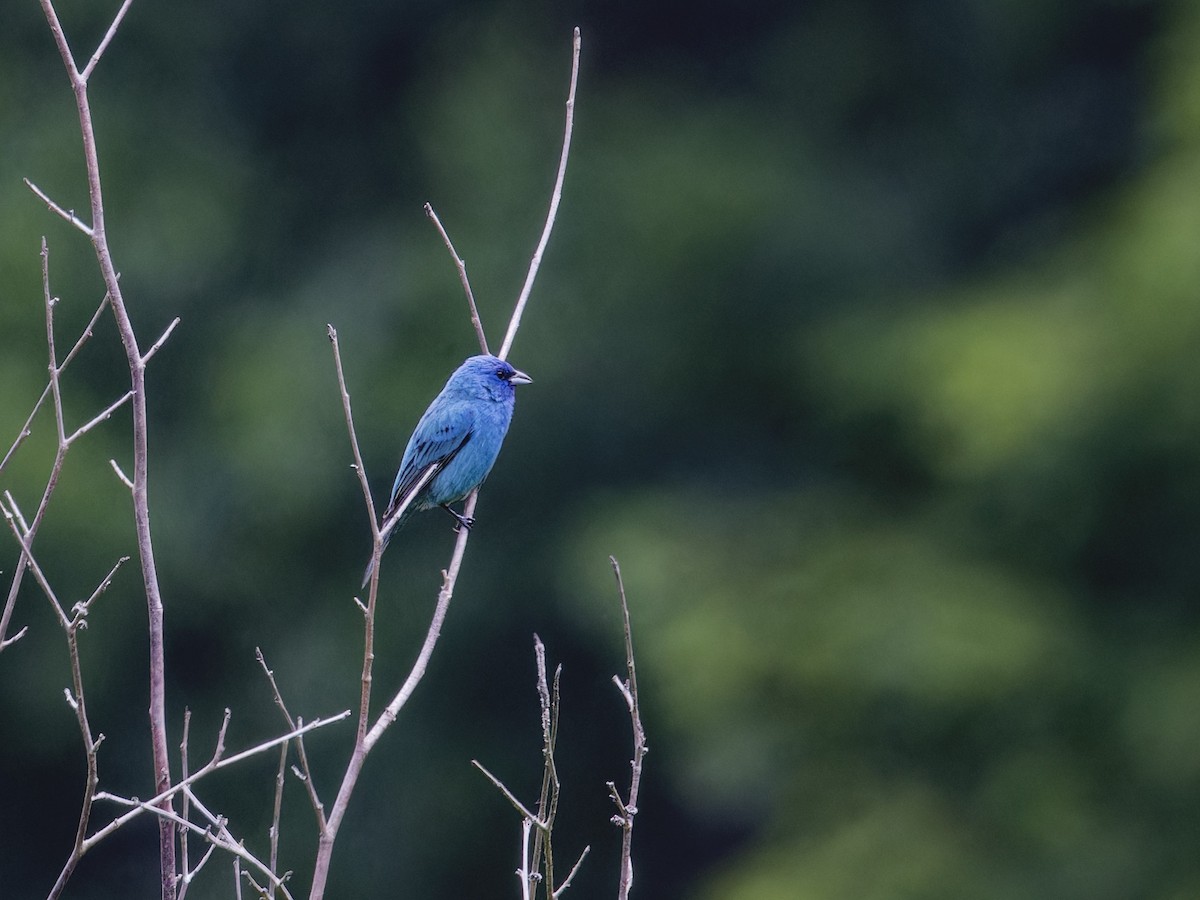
{"x":488,"y":376}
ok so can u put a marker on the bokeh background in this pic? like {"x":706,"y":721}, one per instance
{"x":868,"y":341}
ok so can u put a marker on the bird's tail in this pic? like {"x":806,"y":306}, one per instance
{"x":390,"y":529}
{"x":367,"y":574}
{"x":371,"y":562}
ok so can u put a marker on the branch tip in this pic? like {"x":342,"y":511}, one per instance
{"x":555,"y":197}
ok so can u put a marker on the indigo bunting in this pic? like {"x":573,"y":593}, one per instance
{"x":455,"y":443}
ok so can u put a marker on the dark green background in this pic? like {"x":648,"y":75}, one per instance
{"x":868,"y":341}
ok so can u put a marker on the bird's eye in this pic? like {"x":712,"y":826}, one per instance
{"x":502,"y":374}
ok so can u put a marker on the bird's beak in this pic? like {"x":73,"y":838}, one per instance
{"x":519,"y":377}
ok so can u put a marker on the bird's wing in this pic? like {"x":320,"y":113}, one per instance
{"x":442,"y":432}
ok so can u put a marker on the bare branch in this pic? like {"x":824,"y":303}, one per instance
{"x":219,"y":835}
{"x":121,"y":475}
{"x":555,"y":197}
{"x":329,"y":826}
{"x":27,"y":428}
{"x":548,"y":798}
{"x":276,"y":815}
{"x":509,"y":796}
{"x":87,"y":333}
{"x":60,"y":41}
{"x":22,"y":532}
{"x":461,"y":265}
{"x":82,"y":608}
{"x":629,"y":690}
{"x":449,"y":579}
{"x":525,"y":873}
{"x":542,"y":860}
{"x":185,"y":808}
{"x":101,"y":417}
{"x":378,"y":534}
{"x":77,"y":700}
{"x":189,"y":875}
{"x":30,"y":531}
{"x":25,"y":431}
{"x":112,"y":30}
{"x":219,"y":747}
{"x":258,"y":888}
{"x":16,"y":637}
{"x":571,"y":875}
{"x":305,"y":771}
{"x":67,"y":215}
{"x":359,"y":468}
{"x":157,"y":345}
{"x":152,"y":805}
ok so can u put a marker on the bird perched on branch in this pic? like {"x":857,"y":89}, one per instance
{"x":455,"y":443}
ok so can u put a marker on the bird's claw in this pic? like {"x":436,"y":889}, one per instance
{"x":460,"y":520}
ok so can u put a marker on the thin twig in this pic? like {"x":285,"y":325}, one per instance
{"x":121,"y":475}
{"x":153,"y":804}
{"x":219,"y":744}
{"x":27,"y":428}
{"x":258,"y":888}
{"x":525,"y":873}
{"x":276,"y":814}
{"x":67,"y":215}
{"x":103,"y":416}
{"x":571,"y":875}
{"x":555,"y":197}
{"x":548,"y":797}
{"x":189,"y":875}
{"x":107,"y":39}
{"x":627,"y":809}
{"x":184,"y":810}
{"x":157,"y":345}
{"x":83,"y":607}
{"x":509,"y":795}
{"x":359,"y":468}
{"x":22,"y":532}
{"x":540,"y":869}
{"x":29,"y":531}
{"x":219,"y":834}
{"x":60,"y":453}
{"x":91,"y":745}
{"x":461,"y":265}
{"x":377,"y":542}
{"x":305,"y":771}
{"x":16,"y":636}
{"x":449,"y":579}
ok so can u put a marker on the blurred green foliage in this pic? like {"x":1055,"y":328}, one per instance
{"x":868,"y":341}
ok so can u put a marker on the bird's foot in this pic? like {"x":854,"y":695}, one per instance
{"x":463,"y":521}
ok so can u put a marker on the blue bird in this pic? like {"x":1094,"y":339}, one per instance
{"x":456,"y":442}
